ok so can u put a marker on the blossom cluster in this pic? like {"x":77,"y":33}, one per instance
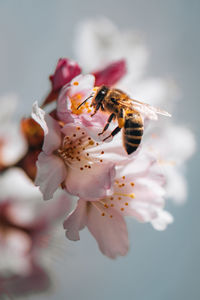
{"x":109,"y":184}
{"x":73,"y":149}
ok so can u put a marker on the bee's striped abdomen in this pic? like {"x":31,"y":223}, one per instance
{"x":132,"y":132}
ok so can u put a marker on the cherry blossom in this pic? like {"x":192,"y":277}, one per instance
{"x":172,"y":156}
{"x":105,"y":42}
{"x":69,"y":159}
{"x":137,"y":192}
{"x":25,"y":226}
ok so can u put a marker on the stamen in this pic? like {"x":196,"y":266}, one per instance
{"x":98,"y":208}
{"x":126,"y":195}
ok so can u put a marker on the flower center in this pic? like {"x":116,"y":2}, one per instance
{"x":76,"y":101}
{"x":75,"y":151}
{"x":120,"y":199}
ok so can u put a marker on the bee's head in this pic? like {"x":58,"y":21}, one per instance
{"x":100,"y":95}
{"x":97,"y":99}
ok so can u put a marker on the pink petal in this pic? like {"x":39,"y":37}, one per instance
{"x":76,"y":221}
{"x":84,"y":87}
{"x":111,"y":74}
{"x":91,"y":183}
{"x":81,"y":85}
{"x":63,"y":106}
{"x":110,"y":232}
{"x":51,"y":173}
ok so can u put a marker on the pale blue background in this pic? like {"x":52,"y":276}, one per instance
{"x":33,"y":35}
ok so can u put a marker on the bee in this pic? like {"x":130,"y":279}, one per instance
{"x":128,"y":113}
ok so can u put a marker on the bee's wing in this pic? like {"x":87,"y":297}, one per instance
{"x":145,"y":109}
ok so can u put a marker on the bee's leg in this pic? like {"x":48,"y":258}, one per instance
{"x":107,"y":124}
{"x":113,"y":133}
{"x":97,"y":108}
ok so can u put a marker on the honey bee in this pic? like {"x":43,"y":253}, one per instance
{"x":128,"y":113}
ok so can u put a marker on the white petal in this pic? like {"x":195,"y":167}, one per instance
{"x":38,"y":115}
{"x":51,"y":173}
{"x":52,"y":138}
{"x":162,"y":220}
{"x":13,"y":144}
{"x":76,"y":221}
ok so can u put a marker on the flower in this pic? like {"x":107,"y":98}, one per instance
{"x":69,"y":159}
{"x":172,"y":156}
{"x":25,"y":225}
{"x":105,"y":42}
{"x":137,"y":193}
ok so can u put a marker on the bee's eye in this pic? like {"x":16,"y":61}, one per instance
{"x":113,"y":100}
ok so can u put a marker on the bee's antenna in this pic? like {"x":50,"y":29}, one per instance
{"x":85,"y":101}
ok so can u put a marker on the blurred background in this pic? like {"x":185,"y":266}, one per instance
{"x":33,"y":35}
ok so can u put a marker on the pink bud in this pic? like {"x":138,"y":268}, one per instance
{"x":110,"y":74}
{"x":66,"y":70}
